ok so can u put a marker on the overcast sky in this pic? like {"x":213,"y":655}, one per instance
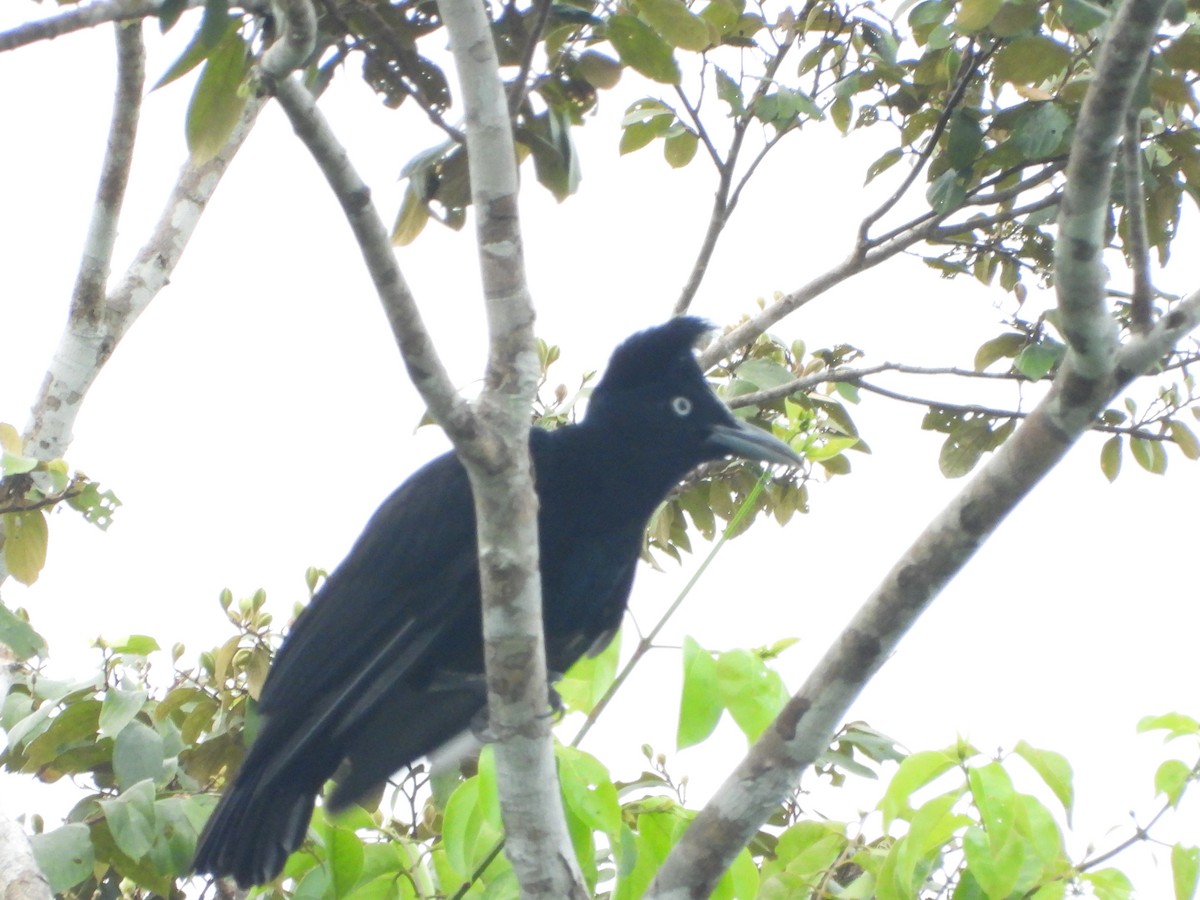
{"x":258,"y":412}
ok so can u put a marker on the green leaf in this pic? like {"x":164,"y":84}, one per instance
{"x":137,"y":754}
{"x":169,"y":12}
{"x":964,"y":141}
{"x":975,"y":15}
{"x":1081,"y":16}
{"x":930,"y":829}
{"x":673,"y":21}
{"x":947,"y":192}
{"x":1149,"y":455}
{"x":764,"y":373}
{"x":1109,"y":884}
{"x":411,"y":218}
{"x":1037,"y":359}
{"x":644,"y":121}
{"x":599,"y":69}
{"x":753,"y":694}
{"x":1185,"y":439}
{"x":25,"y":539}
{"x":1175,"y":724}
{"x":964,"y":447}
{"x":198,"y":50}
{"x":840,"y":111}
{"x":1041,"y":130}
{"x":995,"y":866}
{"x":588,"y":791}
{"x":588,"y":680}
{"x":65,"y":855}
{"x":135,"y":645}
{"x":1185,"y":871}
{"x":700,"y":705}
{"x":118,"y":710}
{"x":1054,"y":770}
{"x":175,"y":843}
{"x":1171,"y":779}
{"x":1004,"y":346}
{"x":1030,"y":59}
{"x":642,"y":48}
{"x":12,"y":463}
{"x":730,"y":92}
{"x":131,"y":819}
{"x":1110,"y":458}
{"x":680,"y":149}
{"x":994,"y":796}
{"x":75,"y":725}
{"x":884,"y":163}
{"x":217,"y":100}
{"x":19,"y":636}
{"x":344,"y":858}
{"x":916,"y":771}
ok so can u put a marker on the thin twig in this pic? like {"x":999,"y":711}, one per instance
{"x":966,"y":72}
{"x":520,"y":87}
{"x":995,"y":413}
{"x":721,"y":208}
{"x":1137,"y":247}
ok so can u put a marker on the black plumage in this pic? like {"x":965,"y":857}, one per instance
{"x":384,"y":665}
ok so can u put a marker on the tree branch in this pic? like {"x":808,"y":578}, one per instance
{"x":416,"y":347}
{"x":88,"y":341}
{"x":966,"y":72}
{"x":1137,"y":245}
{"x":537,"y":841}
{"x":1090,"y":377}
{"x":297,"y":29}
{"x":722,"y":207}
{"x":80,"y":18}
{"x":1080,"y":272}
{"x":87,"y":300}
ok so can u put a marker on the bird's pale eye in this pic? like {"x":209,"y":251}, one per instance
{"x":681,"y":406}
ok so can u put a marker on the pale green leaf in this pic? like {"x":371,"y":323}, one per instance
{"x":1054,"y":769}
{"x":217,"y":100}
{"x":673,"y":20}
{"x":1185,"y":871}
{"x":119,"y":709}
{"x":700,"y":705}
{"x":1110,"y":457}
{"x":641,"y":47}
{"x":65,"y":855}
{"x":25,"y":539}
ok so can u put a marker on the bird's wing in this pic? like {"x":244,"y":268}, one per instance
{"x":411,"y":575}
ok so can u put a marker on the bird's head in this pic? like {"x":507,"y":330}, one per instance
{"x":654,"y":393}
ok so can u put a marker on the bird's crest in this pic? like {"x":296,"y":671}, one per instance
{"x":652,"y":354}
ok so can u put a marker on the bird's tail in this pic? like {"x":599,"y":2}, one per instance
{"x":253,"y":830}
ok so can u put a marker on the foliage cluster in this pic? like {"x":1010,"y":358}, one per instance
{"x":949,"y":823}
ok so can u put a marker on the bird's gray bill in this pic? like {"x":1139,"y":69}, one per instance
{"x":749,"y":442}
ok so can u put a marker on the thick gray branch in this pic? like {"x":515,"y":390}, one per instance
{"x":88,"y":340}
{"x":1080,"y":275}
{"x":297,"y":21}
{"x":1093,"y":373}
{"x":538,"y":844}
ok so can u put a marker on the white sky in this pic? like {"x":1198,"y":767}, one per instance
{"x":257,"y":414}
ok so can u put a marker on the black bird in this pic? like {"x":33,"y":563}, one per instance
{"x":384,"y":665}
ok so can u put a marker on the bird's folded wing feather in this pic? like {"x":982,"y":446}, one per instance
{"x":411,"y":574}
